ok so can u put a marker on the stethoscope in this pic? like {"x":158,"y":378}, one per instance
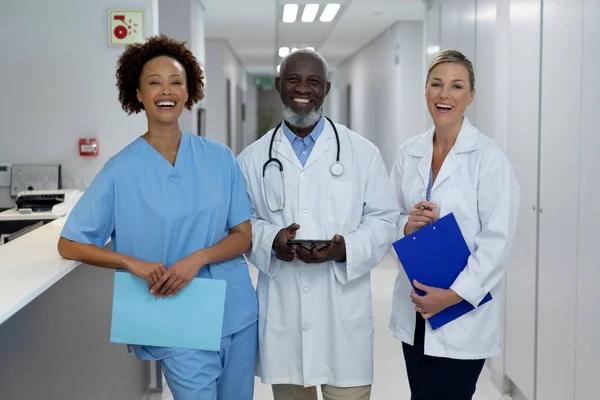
{"x":336,"y":169}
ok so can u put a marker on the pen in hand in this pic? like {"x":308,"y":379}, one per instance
{"x":421,"y":215}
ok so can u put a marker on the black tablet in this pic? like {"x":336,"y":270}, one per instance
{"x":307,"y":243}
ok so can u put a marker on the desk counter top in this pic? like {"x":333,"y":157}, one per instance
{"x":29,"y":265}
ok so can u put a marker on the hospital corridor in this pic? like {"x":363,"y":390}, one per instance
{"x":299,"y":200}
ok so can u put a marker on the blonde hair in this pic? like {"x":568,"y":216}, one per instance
{"x":456,"y":57}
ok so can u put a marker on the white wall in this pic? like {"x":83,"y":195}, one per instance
{"x":588,"y":318}
{"x":388,"y":103}
{"x":222,"y":64}
{"x":251,"y":121}
{"x":331,"y":106}
{"x":184,"y":20}
{"x":198,"y":36}
{"x":523,"y":147}
{"x":59,"y":85}
{"x":559,"y":162}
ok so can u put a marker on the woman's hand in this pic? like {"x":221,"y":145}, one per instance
{"x":434,"y":300}
{"x":421,"y":215}
{"x":177,"y":276}
{"x":151,"y":272}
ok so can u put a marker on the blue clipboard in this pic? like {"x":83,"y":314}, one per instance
{"x":192,"y":319}
{"x":435,"y":255}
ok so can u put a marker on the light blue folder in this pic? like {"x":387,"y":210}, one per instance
{"x":192,"y":319}
{"x":435,"y":255}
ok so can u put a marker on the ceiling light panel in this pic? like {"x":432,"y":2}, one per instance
{"x":329,"y":12}
{"x":290,"y":11}
{"x":284,"y":51}
{"x":310,"y":12}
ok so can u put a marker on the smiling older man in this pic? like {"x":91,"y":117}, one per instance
{"x":323,"y":217}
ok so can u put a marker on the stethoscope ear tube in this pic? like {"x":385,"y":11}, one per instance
{"x":272,"y":160}
{"x":337,"y":140}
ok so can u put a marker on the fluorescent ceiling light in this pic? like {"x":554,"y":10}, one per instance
{"x":431,"y":50}
{"x":329,"y":12}
{"x":289,"y":13}
{"x":284,"y":51}
{"x":295,"y":49}
{"x":310,"y":12}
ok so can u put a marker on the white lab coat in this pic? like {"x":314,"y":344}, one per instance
{"x":477,"y":184}
{"x":315,"y":320}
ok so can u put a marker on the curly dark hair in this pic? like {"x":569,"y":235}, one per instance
{"x":135,"y":56}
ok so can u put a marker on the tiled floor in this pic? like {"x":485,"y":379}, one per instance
{"x":390,"y":374}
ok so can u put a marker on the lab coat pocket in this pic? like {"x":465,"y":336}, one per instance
{"x":341,"y":202}
{"x":354,"y":300}
{"x":475,"y":331}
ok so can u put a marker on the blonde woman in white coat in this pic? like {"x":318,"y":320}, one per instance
{"x":453,"y":168}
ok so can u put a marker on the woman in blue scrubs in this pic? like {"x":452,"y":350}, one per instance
{"x":176,"y":207}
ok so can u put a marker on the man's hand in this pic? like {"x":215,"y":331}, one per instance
{"x":283,"y":251}
{"x":336,"y":251}
{"x":177,"y":276}
{"x":434,"y":301}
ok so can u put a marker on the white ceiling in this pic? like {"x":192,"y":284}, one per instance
{"x":255,"y":30}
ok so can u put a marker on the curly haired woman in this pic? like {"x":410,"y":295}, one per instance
{"x":176,"y":207}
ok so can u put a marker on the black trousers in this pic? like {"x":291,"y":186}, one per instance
{"x":438,"y":378}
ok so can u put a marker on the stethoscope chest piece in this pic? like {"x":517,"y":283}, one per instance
{"x":337,"y":169}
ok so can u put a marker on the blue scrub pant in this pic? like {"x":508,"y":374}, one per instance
{"x":209,"y":375}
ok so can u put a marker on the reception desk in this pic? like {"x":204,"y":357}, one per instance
{"x":55,"y":327}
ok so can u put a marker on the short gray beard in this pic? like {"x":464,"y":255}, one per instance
{"x":301,"y":121}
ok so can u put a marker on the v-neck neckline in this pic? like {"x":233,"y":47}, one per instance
{"x":178,"y":156}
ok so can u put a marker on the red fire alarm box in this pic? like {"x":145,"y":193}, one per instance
{"x":88,"y":147}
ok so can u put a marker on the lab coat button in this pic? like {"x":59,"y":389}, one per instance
{"x":305,"y":289}
{"x":305,"y":212}
{"x":306,"y":327}
{"x":303,"y":175}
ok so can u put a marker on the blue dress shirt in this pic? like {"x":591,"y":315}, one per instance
{"x":303,"y":146}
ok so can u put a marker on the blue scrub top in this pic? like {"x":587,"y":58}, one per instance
{"x":162,"y":213}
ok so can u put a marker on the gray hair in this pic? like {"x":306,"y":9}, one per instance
{"x":310,"y":52}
